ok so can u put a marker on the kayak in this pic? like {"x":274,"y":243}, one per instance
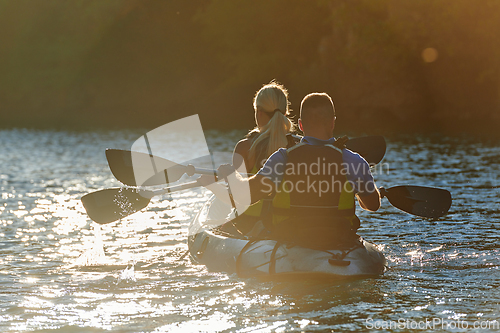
{"x":254,"y":257}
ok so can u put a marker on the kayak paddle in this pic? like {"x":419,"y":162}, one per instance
{"x":371,"y":148}
{"x":109,"y":205}
{"x":112,"y":204}
{"x":125,"y":164}
{"x":419,"y":200}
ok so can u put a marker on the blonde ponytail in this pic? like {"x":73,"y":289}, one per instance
{"x":272,"y":99}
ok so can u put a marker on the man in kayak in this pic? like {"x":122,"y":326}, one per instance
{"x":313,"y":184}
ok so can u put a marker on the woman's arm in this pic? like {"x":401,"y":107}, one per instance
{"x":240,"y":154}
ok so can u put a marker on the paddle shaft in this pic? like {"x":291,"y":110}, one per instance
{"x":127,"y":165}
{"x":191,"y":170}
{"x":175,"y":188}
{"x":110,"y":205}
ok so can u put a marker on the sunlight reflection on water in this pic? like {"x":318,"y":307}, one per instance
{"x":59,"y":270}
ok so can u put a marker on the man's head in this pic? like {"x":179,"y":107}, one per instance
{"x":317,"y":115}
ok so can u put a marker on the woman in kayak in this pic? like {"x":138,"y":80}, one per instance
{"x":273,"y":131}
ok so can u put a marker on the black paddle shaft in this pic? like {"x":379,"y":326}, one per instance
{"x":142,"y":169}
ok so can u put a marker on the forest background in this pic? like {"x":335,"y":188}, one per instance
{"x":390,"y":65}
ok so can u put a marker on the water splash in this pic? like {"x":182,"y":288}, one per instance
{"x":128,"y":274}
{"x":95,"y":255}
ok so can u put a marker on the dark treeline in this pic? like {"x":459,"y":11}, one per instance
{"x":390,"y":65}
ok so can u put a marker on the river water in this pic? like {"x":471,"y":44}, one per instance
{"x":60,"y":272}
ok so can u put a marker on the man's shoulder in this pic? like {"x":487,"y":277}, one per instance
{"x":355,"y":163}
{"x":352,"y":156}
{"x":274,"y":166}
{"x":279,"y":155}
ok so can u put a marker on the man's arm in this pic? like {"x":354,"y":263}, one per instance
{"x":359,"y":173}
{"x":370,"y":201}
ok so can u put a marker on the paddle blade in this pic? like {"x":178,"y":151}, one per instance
{"x":112,"y":204}
{"x":372,"y":148}
{"x":420,"y":200}
{"x":141,"y":169}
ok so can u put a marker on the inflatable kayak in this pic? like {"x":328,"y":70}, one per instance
{"x":254,"y":257}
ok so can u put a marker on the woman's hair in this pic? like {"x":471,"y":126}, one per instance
{"x":272,"y":98}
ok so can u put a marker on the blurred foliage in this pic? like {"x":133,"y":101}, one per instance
{"x":142,"y":63}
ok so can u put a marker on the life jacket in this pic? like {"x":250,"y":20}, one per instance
{"x":314,"y":205}
{"x":257,"y":209}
